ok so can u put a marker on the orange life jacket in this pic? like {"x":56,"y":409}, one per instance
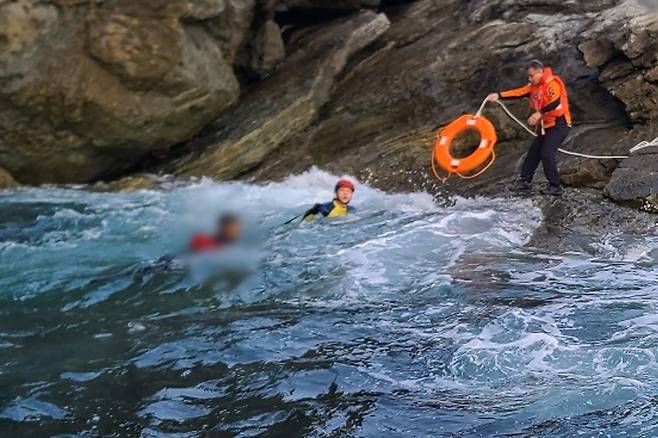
{"x":204,"y":242}
{"x":547,"y":91}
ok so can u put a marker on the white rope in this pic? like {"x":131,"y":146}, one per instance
{"x":644,"y":144}
{"x":513,"y":117}
{"x":594,"y":157}
{"x":484,"y":103}
{"x":641,"y":145}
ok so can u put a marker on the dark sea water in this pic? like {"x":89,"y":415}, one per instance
{"x":404,"y":320}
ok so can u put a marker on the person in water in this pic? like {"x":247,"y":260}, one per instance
{"x":551,"y":118}
{"x":344,"y":190}
{"x":228,"y":232}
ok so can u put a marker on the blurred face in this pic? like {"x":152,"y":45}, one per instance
{"x":535,"y":75}
{"x":344,"y":195}
{"x":232,"y":230}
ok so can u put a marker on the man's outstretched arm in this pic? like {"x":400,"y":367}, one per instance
{"x":514,"y":93}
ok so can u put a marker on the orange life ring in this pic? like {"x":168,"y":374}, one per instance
{"x":484,"y":152}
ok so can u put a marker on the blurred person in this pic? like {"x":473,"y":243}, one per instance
{"x":229,"y":231}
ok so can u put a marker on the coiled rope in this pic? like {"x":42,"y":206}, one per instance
{"x":641,"y":145}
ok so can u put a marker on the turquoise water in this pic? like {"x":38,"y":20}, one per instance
{"x":407,"y":319}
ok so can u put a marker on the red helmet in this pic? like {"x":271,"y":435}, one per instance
{"x":344,"y":183}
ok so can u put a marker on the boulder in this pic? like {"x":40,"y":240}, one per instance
{"x":87,"y":90}
{"x":635,"y":182}
{"x":578,"y":220}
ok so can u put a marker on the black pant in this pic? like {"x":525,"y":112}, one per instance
{"x":544,"y":149}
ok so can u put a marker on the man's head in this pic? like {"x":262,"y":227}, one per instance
{"x":535,"y":71}
{"x":229,"y":227}
{"x":344,"y":191}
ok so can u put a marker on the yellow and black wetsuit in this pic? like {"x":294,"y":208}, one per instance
{"x":334,"y":208}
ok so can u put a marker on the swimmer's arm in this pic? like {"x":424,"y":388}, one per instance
{"x":312,"y":212}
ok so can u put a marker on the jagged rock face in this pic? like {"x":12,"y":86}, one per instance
{"x":623,"y":46}
{"x":286,"y":103}
{"x":438,"y":60}
{"x":88,"y":88}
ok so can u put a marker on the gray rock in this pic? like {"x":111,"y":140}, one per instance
{"x":635,"y":182}
{"x":652,"y":5}
{"x":577,"y":220}
{"x":232,"y":28}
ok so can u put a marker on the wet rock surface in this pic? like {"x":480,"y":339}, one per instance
{"x":577,"y":221}
{"x":635,"y":182}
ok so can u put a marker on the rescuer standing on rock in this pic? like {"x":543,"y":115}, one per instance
{"x":551,"y":118}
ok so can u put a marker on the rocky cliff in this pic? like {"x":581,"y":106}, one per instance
{"x":259,"y":89}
